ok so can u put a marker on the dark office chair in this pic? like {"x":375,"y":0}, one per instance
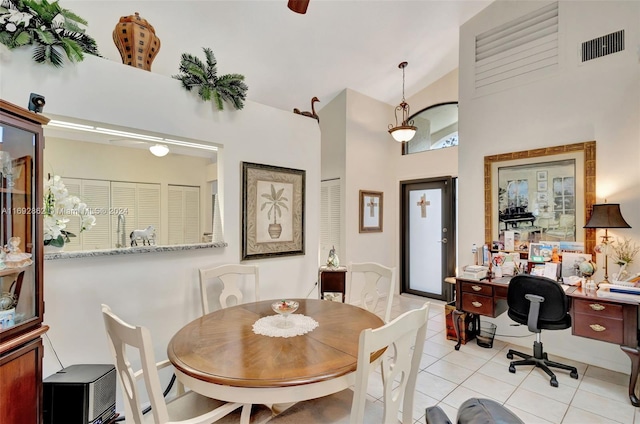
{"x":541,"y":303}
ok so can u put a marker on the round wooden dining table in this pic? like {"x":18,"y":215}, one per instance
{"x":219,"y":355}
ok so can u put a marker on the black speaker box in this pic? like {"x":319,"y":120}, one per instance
{"x":80,"y":394}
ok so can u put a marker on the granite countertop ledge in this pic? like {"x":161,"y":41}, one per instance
{"x":130,"y":250}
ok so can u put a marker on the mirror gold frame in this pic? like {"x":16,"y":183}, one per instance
{"x":587,"y":151}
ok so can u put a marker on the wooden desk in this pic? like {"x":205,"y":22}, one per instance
{"x":220,"y":356}
{"x":607,"y":320}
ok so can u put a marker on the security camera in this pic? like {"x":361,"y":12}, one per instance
{"x":36,"y":103}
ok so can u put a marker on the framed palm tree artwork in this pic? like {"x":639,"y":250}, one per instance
{"x":272,"y":211}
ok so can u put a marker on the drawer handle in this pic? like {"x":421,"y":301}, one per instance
{"x":476,"y":288}
{"x":476,"y":304}
{"x":597,"y":307}
{"x":597,"y":327}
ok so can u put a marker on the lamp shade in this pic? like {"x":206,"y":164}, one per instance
{"x":403,"y":133}
{"x":159,"y":150}
{"x":607,"y":215}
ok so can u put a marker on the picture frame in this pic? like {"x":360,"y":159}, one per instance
{"x":371,"y":211}
{"x":273,"y":201}
{"x":539,"y":160}
{"x":542,"y":186}
{"x":541,"y":176}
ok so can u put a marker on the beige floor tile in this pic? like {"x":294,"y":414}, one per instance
{"x":501,"y":372}
{"x":458,"y":396}
{"x":434,"y":386}
{"x":580,"y":416}
{"x":427,"y":360}
{"x":465,"y":360}
{"x":563,"y":377}
{"x":607,"y":375}
{"x":436,"y":349}
{"x":420,"y":403}
{"x":617,"y":411}
{"x":450,"y":371}
{"x":539,"y":384}
{"x":482,"y":352}
{"x":527,"y":417}
{"x":492,"y":387}
{"x":452,"y":413}
{"x":538,"y":405}
{"x":604,"y":388}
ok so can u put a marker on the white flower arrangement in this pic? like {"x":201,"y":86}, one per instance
{"x":624,"y":253}
{"x":58,"y":204}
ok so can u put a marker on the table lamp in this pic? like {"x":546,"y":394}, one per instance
{"x":606,"y":215}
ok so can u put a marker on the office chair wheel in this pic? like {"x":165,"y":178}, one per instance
{"x":574,"y":374}
{"x":510,"y":356}
{"x":512,"y":370}
{"x":553,"y":382}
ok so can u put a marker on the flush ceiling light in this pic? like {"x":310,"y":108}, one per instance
{"x":159,"y":150}
{"x":405,"y":131}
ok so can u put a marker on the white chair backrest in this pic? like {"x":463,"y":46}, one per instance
{"x":120,"y":335}
{"x":400,"y":364}
{"x":230,"y":276}
{"x":374,"y":275}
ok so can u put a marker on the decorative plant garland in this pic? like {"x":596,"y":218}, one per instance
{"x":50,"y":28}
{"x":194,"y":74}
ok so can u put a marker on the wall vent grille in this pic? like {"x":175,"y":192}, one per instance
{"x":519,"y":48}
{"x":602,"y":46}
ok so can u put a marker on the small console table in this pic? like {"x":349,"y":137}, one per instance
{"x":604,"y":319}
{"x":332,"y":282}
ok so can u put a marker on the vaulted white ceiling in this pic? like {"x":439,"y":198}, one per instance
{"x":288,"y":58}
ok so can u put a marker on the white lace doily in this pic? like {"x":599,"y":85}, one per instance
{"x":268,"y":326}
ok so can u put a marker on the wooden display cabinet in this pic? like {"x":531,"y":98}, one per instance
{"x":21,"y":267}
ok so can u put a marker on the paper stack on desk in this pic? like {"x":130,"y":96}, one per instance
{"x":613,"y":291}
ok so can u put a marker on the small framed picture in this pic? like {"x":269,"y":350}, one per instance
{"x":370,"y":211}
{"x":542,"y":186}
{"x":542,"y":196}
{"x":541,"y":175}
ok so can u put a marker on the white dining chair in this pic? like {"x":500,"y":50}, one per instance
{"x":231,"y":277}
{"x":186,"y":407}
{"x":404,"y":339}
{"x":375,"y":278}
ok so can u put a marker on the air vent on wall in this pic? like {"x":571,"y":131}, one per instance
{"x":518,"y":49}
{"x":602,"y":46}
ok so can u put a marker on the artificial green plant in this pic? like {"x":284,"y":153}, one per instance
{"x":51,"y":29}
{"x":195,"y":74}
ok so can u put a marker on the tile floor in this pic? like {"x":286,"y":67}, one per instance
{"x":448,"y":377}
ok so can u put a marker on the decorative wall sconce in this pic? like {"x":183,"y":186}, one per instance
{"x":405,"y":131}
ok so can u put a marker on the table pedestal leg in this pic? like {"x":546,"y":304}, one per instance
{"x":634,"y":355}
{"x":456,"y":325}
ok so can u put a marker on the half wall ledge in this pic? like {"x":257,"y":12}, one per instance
{"x":131,"y":250}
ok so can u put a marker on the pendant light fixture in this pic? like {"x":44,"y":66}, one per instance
{"x":406,"y":130}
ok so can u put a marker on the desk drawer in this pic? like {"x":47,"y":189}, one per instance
{"x":477,"y":289}
{"x":477,"y":304}
{"x":599,"y":328}
{"x":597,"y":308}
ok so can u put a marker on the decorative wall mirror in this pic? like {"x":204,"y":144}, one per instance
{"x":540,"y":195}
{"x":437,"y":128}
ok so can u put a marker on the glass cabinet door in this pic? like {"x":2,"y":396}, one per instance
{"x":20,"y":287}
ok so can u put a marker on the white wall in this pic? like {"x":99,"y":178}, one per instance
{"x":593,"y":101}
{"x":357,"y":147}
{"x":159,"y":290}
